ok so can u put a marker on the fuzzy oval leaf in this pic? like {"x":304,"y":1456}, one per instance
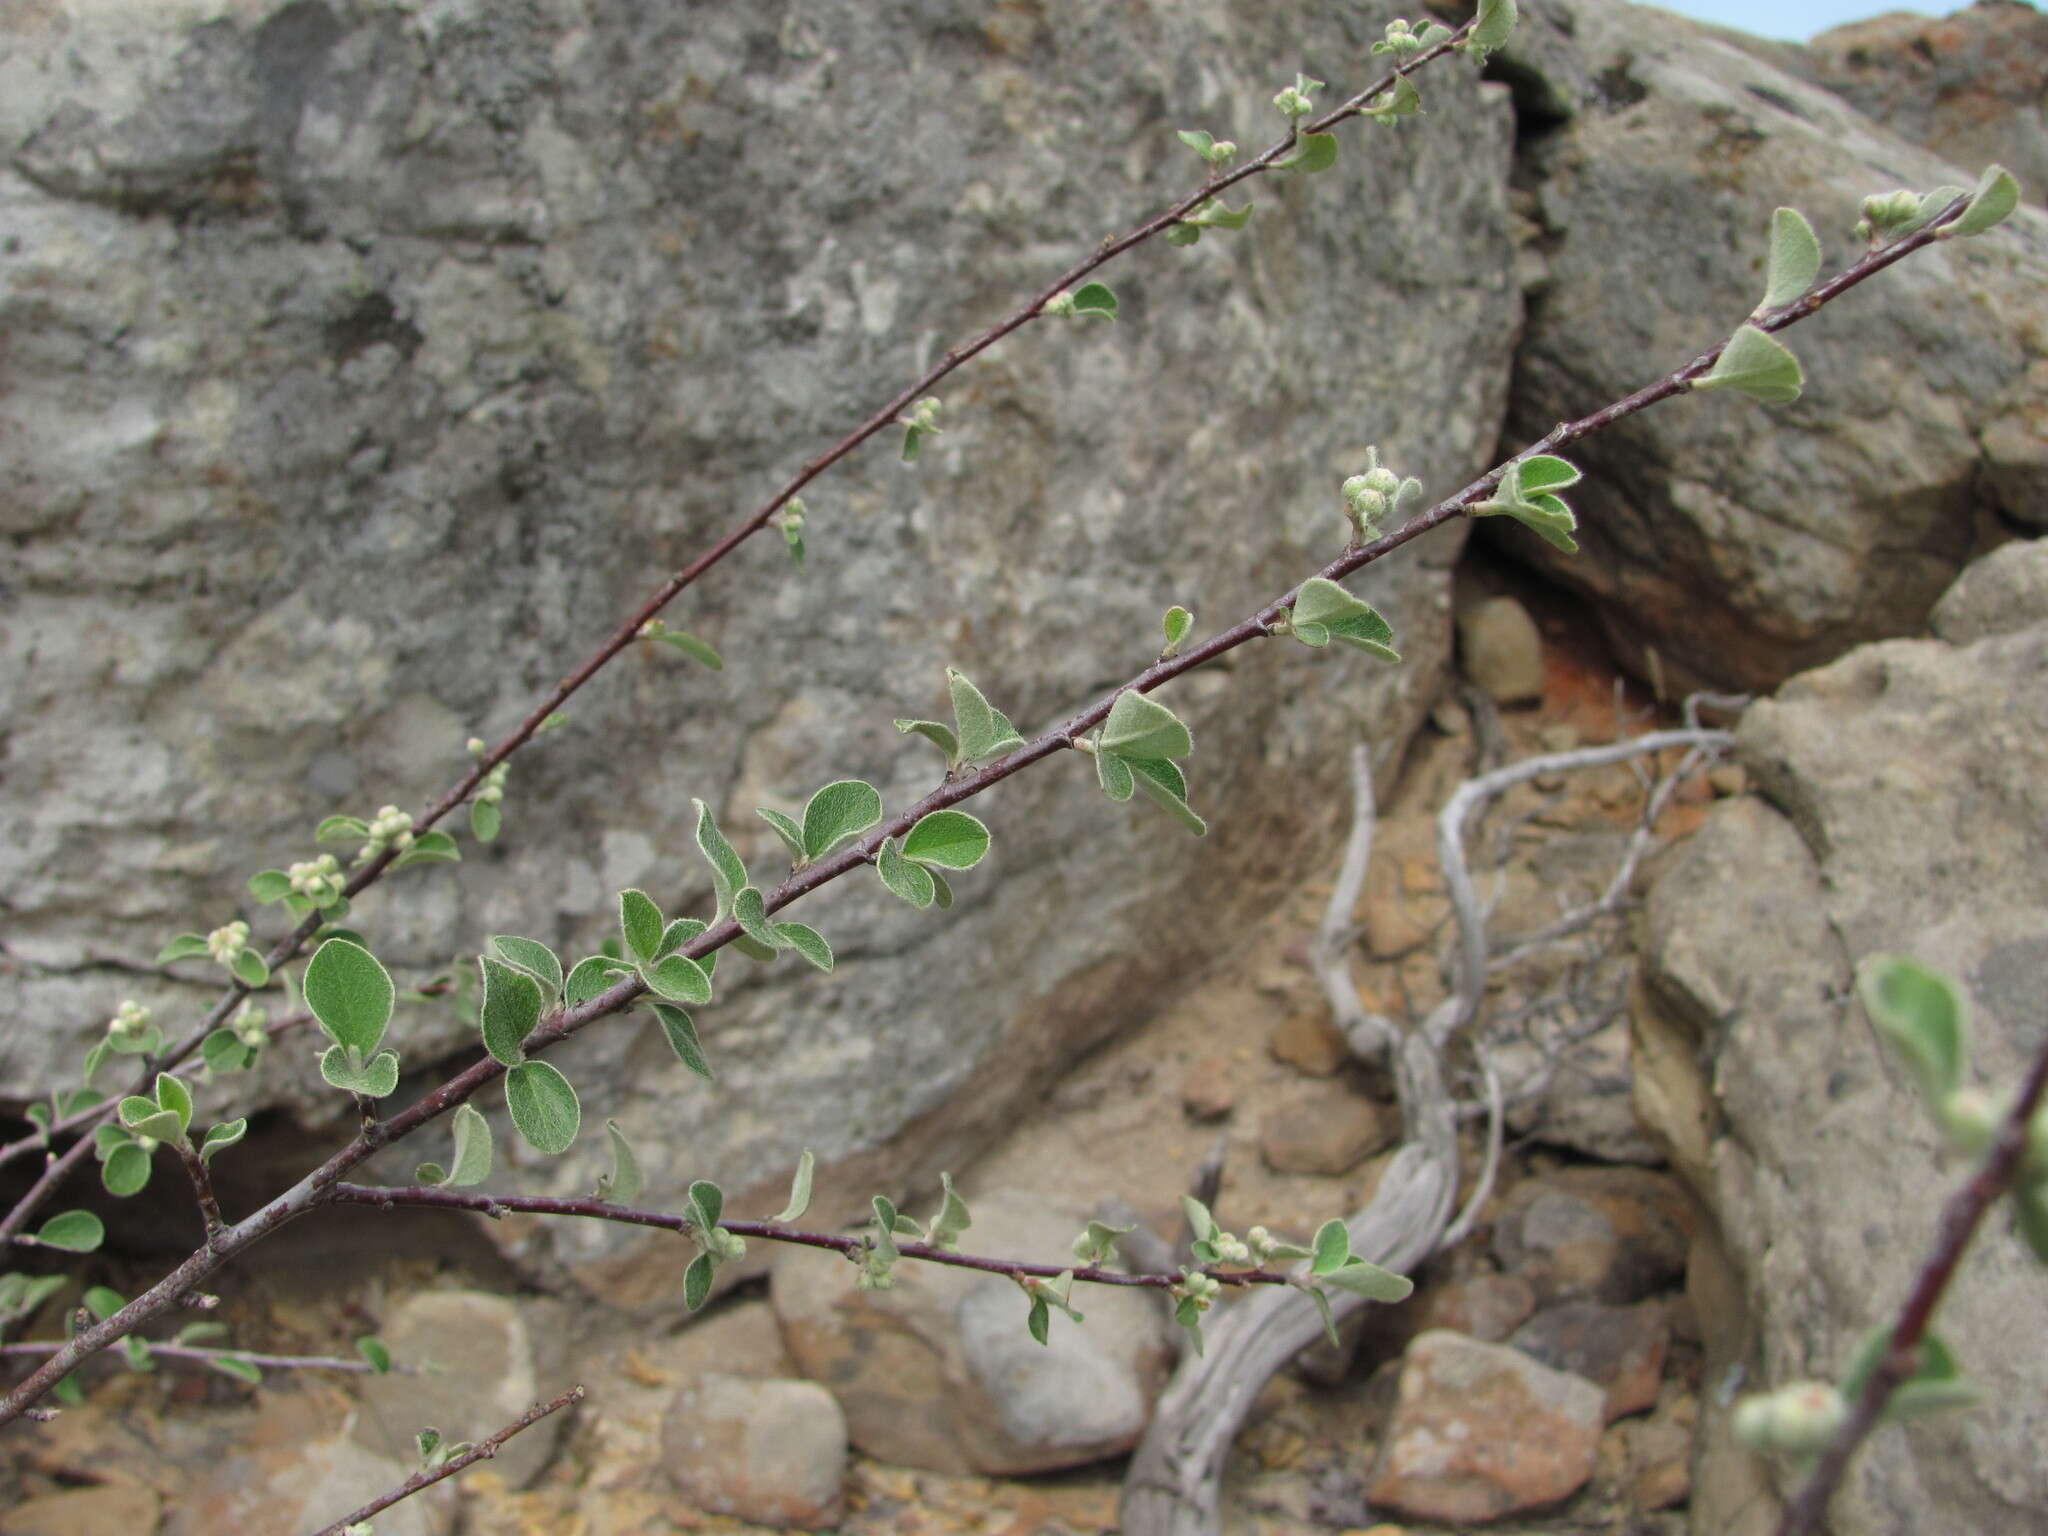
{"x":791,"y":834}
{"x":485,"y":820}
{"x":1921,"y":1013}
{"x":184,"y":947}
{"x":248,"y":968}
{"x":680,"y":978}
{"x":1370,"y":1281}
{"x":1142,"y":727}
{"x":429,"y":848}
{"x":222,"y":1136}
{"x":350,"y":993}
{"x":697,"y":1278}
{"x":640,"y":924}
{"x":1996,"y":196}
{"x":73,"y":1231}
{"x":1794,"y":260}
{"x":806,"y":941}
{"x":1755,"y":365}
{"x":911,"y":882}
{"x":224,"y":1051}
{"x":592,"y":974}
{"x":949,"y":839}
{"x":240,"y":1367}
{"x":1312,"y":152}
{"x":799,"y":1189}
{"x":173,"y":1095}
{"x":750,"y":911}
{"x":268,"y":886}
{"x":379,"y":1078}
{"x":728,"y":874}
{"x":1495,"y":24}
{"x":1332,"y":1247}
{"x":707,"y":1203}
{"x":1177,"y":624}
{"x":126,"y":1171}
{"x":1114,"y":775}
{"x":103,"y":1301}
{"x":1164,"y":785}
{"x":531,"y":956}
{"x":621,"y":1183}
{"x":145,"y":1117}
{"x":511,"y":1008}
{"x":1545,"y":472}
{"x":938,"y":735}
{"x":838,"y":813}
{"x":1095,"y":299}
{"x":372,"y":1349}
{"x":692,"y":647}
{"x":543,"y":1106}
{"x":682,"y":1039}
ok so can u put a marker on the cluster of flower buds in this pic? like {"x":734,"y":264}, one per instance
{"x":492,"y":790}
{"x":1370,"y":496}
{"x":389,"y":827}
{"x":226,"y":942}
{"x":1198,"y":1288}
{"x":1887,"y":213}
{"x":130,"y":1024}
{"x":318,"y":880}
{"x":1294,"y":101}
{"x":251,"y":1025}
{"x":1799,"y":1418}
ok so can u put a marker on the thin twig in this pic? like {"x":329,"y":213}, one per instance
{"x":1959,"y":1218}
{"x":1329,"y":953}
{"x":1457,"y":1231}
{"x":204,"y":1355}
{"x":483,"y":1450}
{"x":316,"y":1187}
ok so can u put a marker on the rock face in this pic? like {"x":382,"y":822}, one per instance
{"x":367,"y":360}
{"x":939,"y":1372}
{"x":767,"y":1452}
{"x":1904,"y":806}
{"x":1724,"y":543}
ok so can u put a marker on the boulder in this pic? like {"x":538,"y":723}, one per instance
{"x":1902,"y":806}
{"x":367,"y":362}
{"x":1721,"y":542}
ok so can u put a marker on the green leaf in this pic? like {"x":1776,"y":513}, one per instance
{"x":222,"y":1136}
{"x":173,"y":1095}
{"x":1322,"y":1302}
{"x":679,"y":978}
{"x":640,"y":924}
{"x":1313,"y":152}
{"x":942,"y":893}
{"x":248,"y":968}
{"x":806,"y":941}
{"x":237,"y":1366}
{"x":269,"y":886}
{"x":533,"y":957}
{"x":103,"y":1301}
{"x":750,"y":911}
{"x":1182,"y":234}
{"x":380,"y":1076}
{"x":1755,"y":365}
{"x":837,"y":814}
{"x":2030,"y":1215}
{"x":953,"y":1218}
{"x":144,"y":1117}
{"x":1095,"y":299}
{"x":697,"y":1278}
{"x":372,"y":1349}
{"x":1114,"y":775}
{"x":1040,"y":1320}
{"x":799,"y":1190}
{"x":682,"y":1039}
{"x":1370,"y":1281}
{"x":1143,"y":727}
{"x":1332,"y":1247}
{"x":184,"y":947}
{"x":1405,"y":102}
{"x":485,"y":820}
{"x":223,"y":1051}
{"x":473,"y":1149}
{"x":707,"y":1204}
{"x":592,"y":974}
{"x":912,"y":882}
{"x":126,"y":1171}
{"x":1496,"y":21}
{"x":543,"y":1106}
{"x":1921,"y":1013}
{"x":1188,"y":1313}
{"x":621,"y":1183}
{"x":1324,"y":606}
{"x":345,"y":1069}
{"x":692,"y":647}
{"x":753,"y":948}
{"x":678,"y":933}
{"x":983,"y":730}
{"x":201,"y":1333}
{"x":1166,"y":788}
{"x":1794,"y":259}
{"x":791,"y":834}
{"x":1195,"y":139}
{"x":1545,"y":472}
{"x":938,"y":735}
{"x":73,"y":1231}
{"x":1996,"y":196}
{"x":1201,"y":1225}
{"x":1177,"y":624}
{"x":511,"y":1008}
{"x":341,"y":829}
{"x":1937,"y":1383}
{"x":429,"y":848}
{"x":949,"y":839}
{"x":350,"y":994}
{"x":1212,"y":215}
{"x":728,"y":874}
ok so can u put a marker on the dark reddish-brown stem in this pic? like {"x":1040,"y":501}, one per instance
{"x":317,"y":1187}
{"x":884,"y":417}
{"x":853,"y":1246}
{"x":483,"y":1450}
{"x":1959,"y":1219}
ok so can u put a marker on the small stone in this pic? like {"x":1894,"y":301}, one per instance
{"x":1488,"y":1308}
{"x":1325,"y":1128}
{"x":1501,"y":651}
{"x":1481,"y":1431}
{"x":769,"y":1452}
{"x":1595,"y":1234}
{"x":1209,"y":1089}
{"x":1619,"y":1349}
{"x":1561,"y":736}
{"x":1309,"y":1043}
{"x":1727,"y":779}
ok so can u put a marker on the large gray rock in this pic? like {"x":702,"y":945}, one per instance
{"x":367,"y":359}
{"x":1723,"y":542}
{"x":1905,"y":804}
